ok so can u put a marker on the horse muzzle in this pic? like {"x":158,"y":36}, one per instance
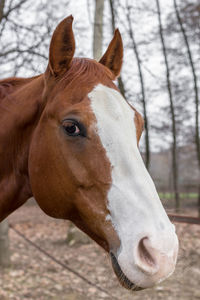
{"x":150,"y":263}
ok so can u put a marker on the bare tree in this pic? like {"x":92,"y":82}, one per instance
{"x":196,"y":100}
{"x":4,"y":238}
{"x":4,"y":244}
{"x":120,"y":81}
{"x":172,"y":111}
{"x":143,"y":99}
{"x":74,"y":235}
{"x":26,"y":52}
{"x":98,"y":29}
{"x":2,"y":4}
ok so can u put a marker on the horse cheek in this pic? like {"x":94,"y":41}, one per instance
{"x":49,"y":180}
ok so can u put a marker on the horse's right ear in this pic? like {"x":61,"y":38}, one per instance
{"x":113,"y":56}
{"x":62,"y":47}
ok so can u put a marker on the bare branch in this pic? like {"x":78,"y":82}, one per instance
{"x":12,"y":8}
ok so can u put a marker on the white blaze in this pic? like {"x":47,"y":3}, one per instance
{"x":134,"y":205}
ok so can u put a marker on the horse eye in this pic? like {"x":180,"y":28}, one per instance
{"x":71,"y":128}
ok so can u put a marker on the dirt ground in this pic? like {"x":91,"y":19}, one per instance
{"x":32,"y":275}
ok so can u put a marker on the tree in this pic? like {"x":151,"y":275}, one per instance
{"x":120,"y":81}
{"x":172,"y":111}
{"x":4,"y":244}
{"x":26,"y":52}
{"x":74,"y":235}
{"x":98,"y":29}
{"x":196,"y":93}
{"x":143,"y":98}
{"x":2,"y":4}
{"x":4,"y":238}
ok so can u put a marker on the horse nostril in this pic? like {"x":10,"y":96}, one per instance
{"x":144,"y":252}
{"x":156,"y":257}
{"x":145,"y":258}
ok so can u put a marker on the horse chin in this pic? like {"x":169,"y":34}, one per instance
{"x":124,"y":281}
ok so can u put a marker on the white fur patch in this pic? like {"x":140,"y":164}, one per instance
{"x":134,"y":205}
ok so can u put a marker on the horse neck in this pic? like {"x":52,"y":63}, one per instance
{"x":20,"y":110}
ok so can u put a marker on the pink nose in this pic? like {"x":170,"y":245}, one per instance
{"x":156,"y":259}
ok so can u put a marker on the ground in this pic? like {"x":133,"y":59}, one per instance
{"x":32,"y":275}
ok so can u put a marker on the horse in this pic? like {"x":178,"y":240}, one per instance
{"x":70,"y":140}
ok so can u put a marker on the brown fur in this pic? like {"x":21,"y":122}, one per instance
{"x":69,"y":177}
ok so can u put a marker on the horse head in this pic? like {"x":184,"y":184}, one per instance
{"x":85,"y":165}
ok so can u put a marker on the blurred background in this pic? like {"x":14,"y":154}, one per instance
{"x":160,"y":78}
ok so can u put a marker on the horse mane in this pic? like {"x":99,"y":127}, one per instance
{"x":86,"y":70}
{"x":9,"y":85}
{"x":83,"y":69}
{"x":5,"y":88}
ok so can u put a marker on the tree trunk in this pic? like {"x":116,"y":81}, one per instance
{"x":120,"y":81}
{"x":146,"y":122}
{"x":98,"y":29}
{"x":4,"y":244}
{"x":196,"y":100}
{"x":198,"y":200}
{"x":73,"y":234}
{"x":174,"y":143}
{"x":76,"y":236}
{"x":2,"y":4}
{"x":4,"y":238}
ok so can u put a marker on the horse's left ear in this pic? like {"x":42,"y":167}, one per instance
{"x":113,"y":56}
{"x":62,"y":47}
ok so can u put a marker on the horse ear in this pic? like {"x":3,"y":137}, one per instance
{"x":113,"y":56}
{"x":62,"y":47}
